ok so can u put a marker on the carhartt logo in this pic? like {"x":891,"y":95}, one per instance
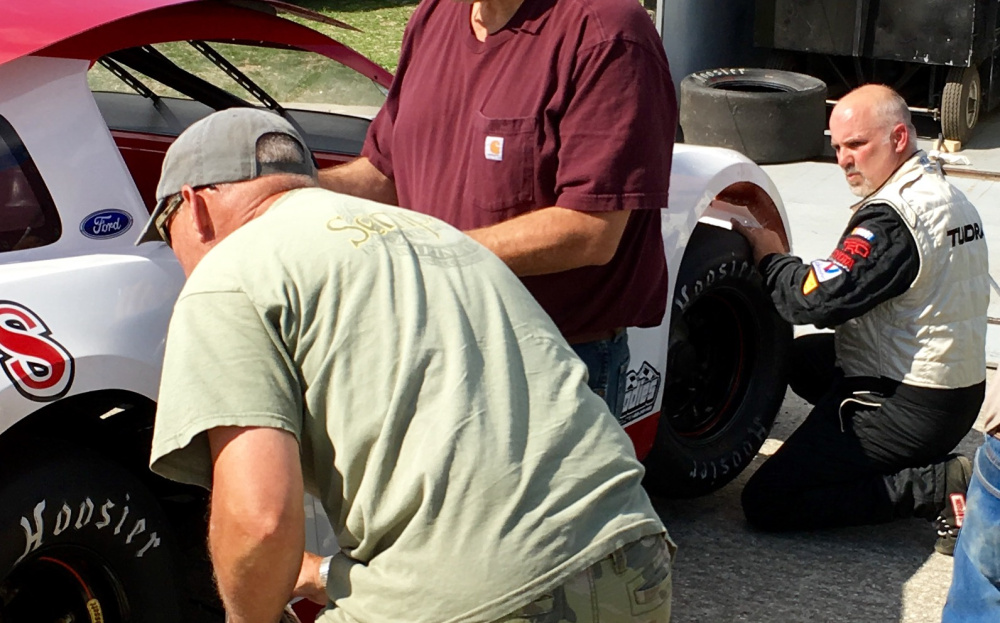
{"x":494,"y":148}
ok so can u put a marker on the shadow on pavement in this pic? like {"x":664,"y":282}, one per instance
{"x":726,"y":572}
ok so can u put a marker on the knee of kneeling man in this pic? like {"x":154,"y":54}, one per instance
{"x":761,"y":506}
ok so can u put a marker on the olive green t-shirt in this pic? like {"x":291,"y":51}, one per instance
{"x":443,"y":422}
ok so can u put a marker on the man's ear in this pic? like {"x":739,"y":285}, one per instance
{"x":900,"y":138}
{"x":201,"y":220}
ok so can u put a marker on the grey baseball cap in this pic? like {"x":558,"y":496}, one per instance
{"x":218,"y":149}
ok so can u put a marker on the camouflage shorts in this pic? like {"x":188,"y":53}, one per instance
{"x":632,"y":585}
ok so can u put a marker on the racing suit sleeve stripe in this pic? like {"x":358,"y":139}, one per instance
{"x":875,"y":260}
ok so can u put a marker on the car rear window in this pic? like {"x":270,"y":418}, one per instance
{"x":294,"y":79}
{"x":28,"y":217}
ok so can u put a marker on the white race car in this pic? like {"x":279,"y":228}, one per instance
{"x":91,"y":95}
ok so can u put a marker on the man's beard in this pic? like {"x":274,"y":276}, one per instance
{"x":863,"y":189}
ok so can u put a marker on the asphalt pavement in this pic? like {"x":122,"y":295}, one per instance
{"x":726,"y":572}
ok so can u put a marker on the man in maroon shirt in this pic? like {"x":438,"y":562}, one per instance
{"x":544,"y":129}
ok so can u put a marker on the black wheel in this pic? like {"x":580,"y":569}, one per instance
{"x":960,"y":103}
{"x":725,"y":369}
{"x":766,"y":114}
{"x":81,"y":539}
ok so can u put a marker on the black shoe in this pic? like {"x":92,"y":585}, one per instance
{"x":958,"y":473}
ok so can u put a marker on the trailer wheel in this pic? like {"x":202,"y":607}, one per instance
{"x":725,"y":376}
{"x":81,"y":539}
{"x":960,"y":103}
{"x":769,"y":115}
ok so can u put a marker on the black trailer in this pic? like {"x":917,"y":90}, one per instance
{"x":941,"y":55}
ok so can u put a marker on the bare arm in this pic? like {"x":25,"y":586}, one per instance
{"x":555,"y":239}
{"x":256,"y":529}
{"x":359,"y":178}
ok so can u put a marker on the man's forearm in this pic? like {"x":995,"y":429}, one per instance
{"x":256,"y":574}
{"x":256,"y":531}
{"x":359,"y":178}
{"x":555,"y":239}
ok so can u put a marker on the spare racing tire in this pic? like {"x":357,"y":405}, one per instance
{"x":726,"y":369}
{"x":768,"y":115}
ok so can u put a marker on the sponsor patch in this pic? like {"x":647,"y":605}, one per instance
{"x":826,"y":270}
{"x":38,"y":366}
{"x":861,"y":232}
{"x":842,"y":259}
{"x":966,"y":233}
{"x":810,"y":283}
{"x":641,"y":387}
{"x":958,"y":508}
{"x":106,"y":224}
{"x":856,"y":246}
{"x":494,"y":148}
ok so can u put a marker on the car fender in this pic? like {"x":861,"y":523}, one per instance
{"x":708,"y":186}
{"x":114,"y":341}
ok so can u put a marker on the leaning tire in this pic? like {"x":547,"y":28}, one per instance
{"x":725,"y":369}
{"x":961,"y":100}
{"x":81,"y":539}
{"x":767,"y":114}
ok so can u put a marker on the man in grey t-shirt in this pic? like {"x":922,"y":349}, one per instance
{"x":397,"y":370}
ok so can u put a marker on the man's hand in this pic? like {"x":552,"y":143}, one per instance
{"x":309,"y":585}
{"x":359,"y":178}
{"x":762,"y":241}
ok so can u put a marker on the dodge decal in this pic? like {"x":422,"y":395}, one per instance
{"x":641,"y":388}
{"x":38,"y":366}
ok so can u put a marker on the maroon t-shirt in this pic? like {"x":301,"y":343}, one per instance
{"x":570,"y":104}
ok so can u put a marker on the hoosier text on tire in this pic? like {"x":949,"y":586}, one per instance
{"x":725,"y":371}
{"x":81,"y":540}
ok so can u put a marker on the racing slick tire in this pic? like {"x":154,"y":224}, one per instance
{"x":726,"y":370}
{"x":768,"y":115}
{"x":81,"y":539}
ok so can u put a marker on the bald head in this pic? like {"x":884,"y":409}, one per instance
{"x":872,"y":133}
{"x":886,"y":106}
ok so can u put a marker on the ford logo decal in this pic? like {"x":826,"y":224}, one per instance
{"x":106,"y":224}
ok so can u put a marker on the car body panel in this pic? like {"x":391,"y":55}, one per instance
{"x":26,"y":27}
{"x":105,"y":301}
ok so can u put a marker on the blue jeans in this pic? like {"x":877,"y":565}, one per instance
{"x":607,"y":363}
{"x":975,"y":583}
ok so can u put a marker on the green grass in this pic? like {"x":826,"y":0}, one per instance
{"x":382,"y":23}
{"x":306,"y":80}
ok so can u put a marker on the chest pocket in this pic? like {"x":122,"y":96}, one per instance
{"x":500,"y":162}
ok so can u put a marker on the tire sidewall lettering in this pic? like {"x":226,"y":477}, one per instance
{"x":726,"y":271}
{"x":721,"y":73}
{"x":55,"y":520}
{"x":735,"y":459}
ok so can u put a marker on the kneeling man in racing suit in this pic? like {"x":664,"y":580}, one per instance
{"x":900,"y":381}
{"x":397,"y":370}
